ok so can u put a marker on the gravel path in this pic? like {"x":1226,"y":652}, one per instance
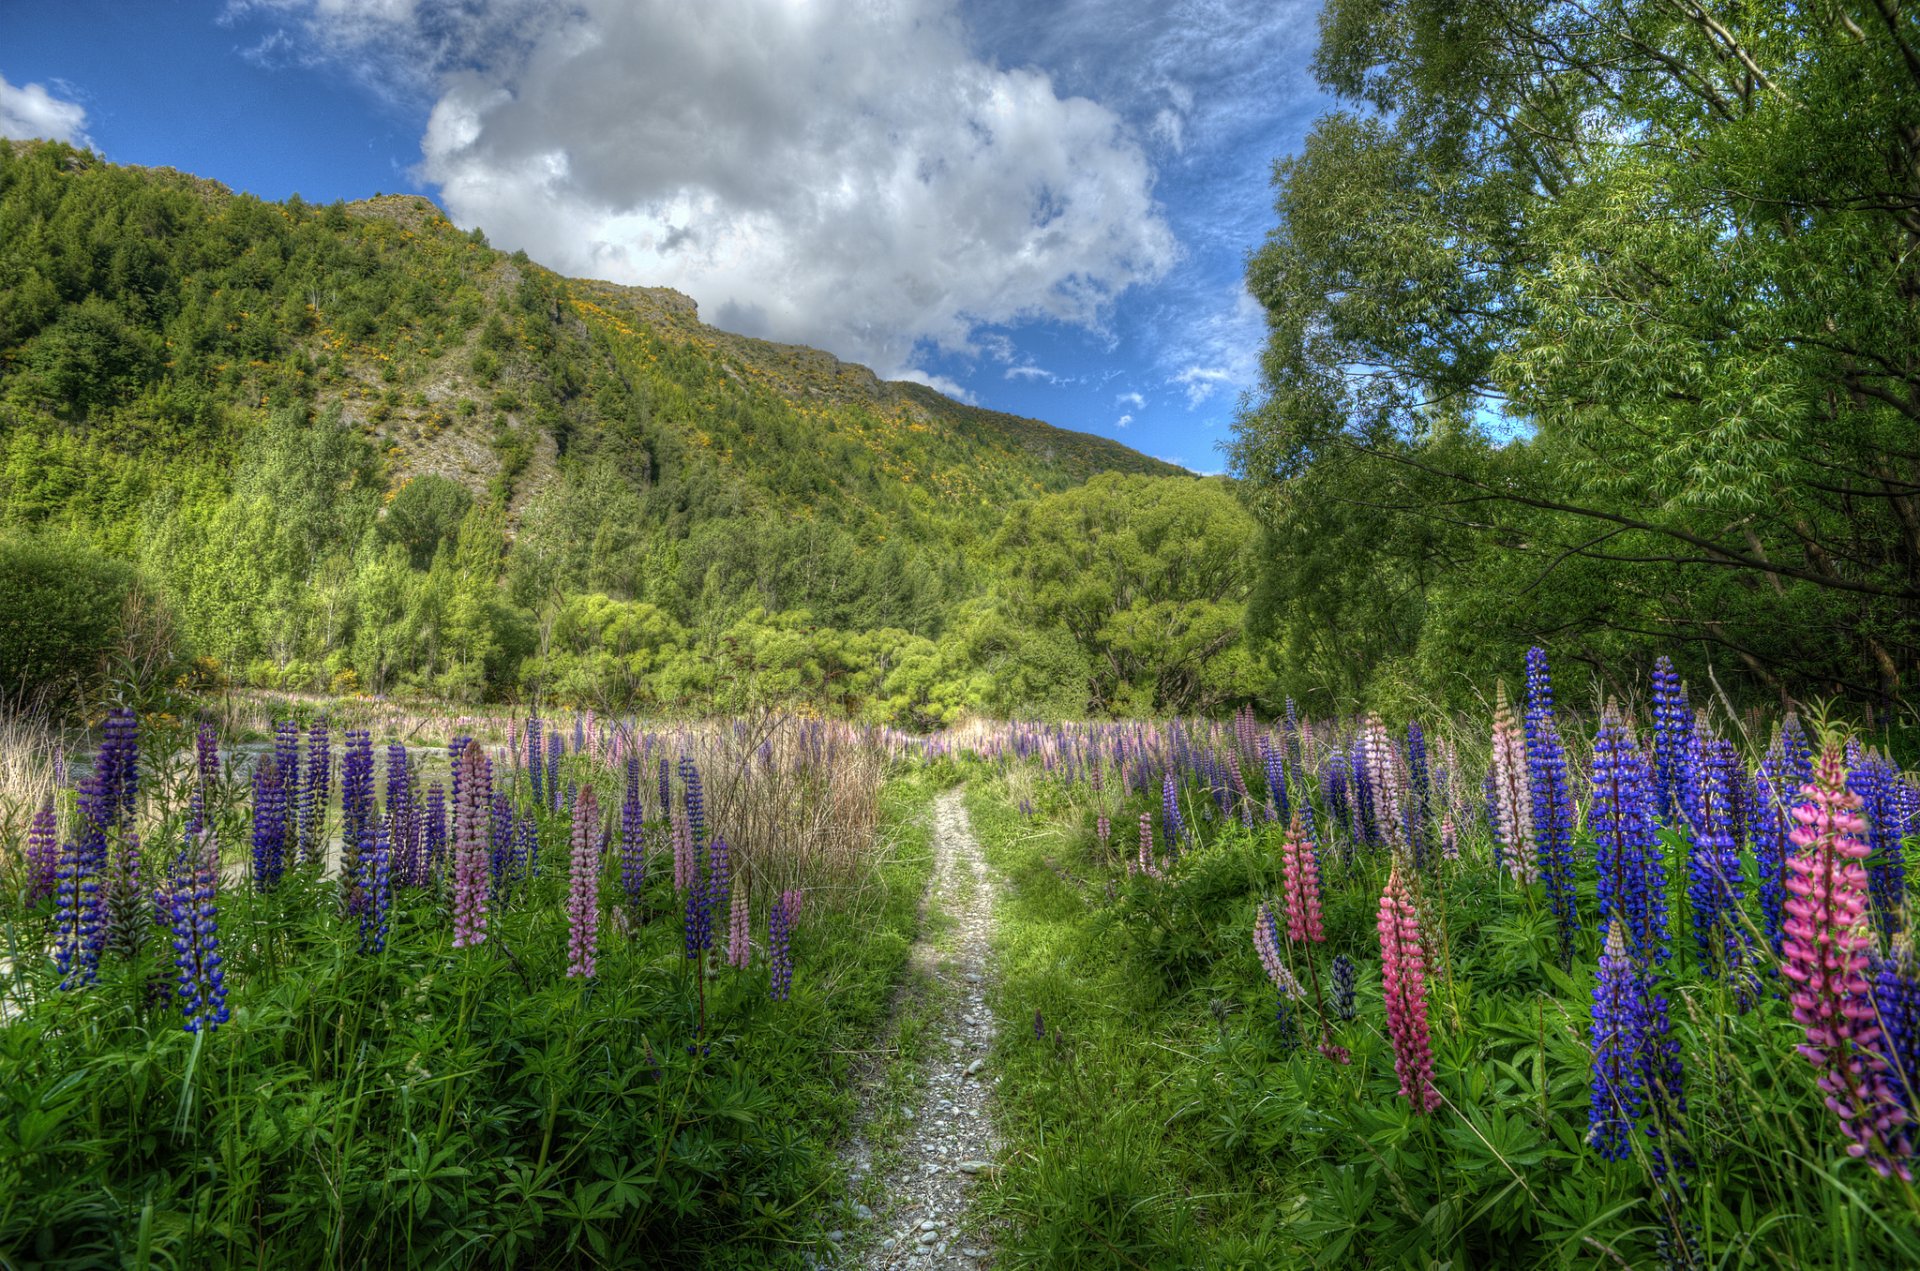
{"x":950,"y":1141}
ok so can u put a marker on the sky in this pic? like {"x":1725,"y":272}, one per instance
{"x":1038,"y":208}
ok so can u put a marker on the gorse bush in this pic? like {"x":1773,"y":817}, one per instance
{"x":333,"y":1006}
{"x":1364,"y":997}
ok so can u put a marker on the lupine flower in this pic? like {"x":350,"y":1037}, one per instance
{"x":1877,"y":784}
{"x":1274,"y":763}
{"x":1552,"y":802}
{"x":1449,"y":840}
{"x":472,"y":803}
{"x":696,"y":802}
{"x":1713,"y":863}
{"x":666,"y":787}
{"x":1173,"y":827}
{"x":1672,"y":737}
{"x":1420,"y":780}
{"x":1825,"y":952}
{"x":1286,"y":1031}
{"x":534,"y":752}
{"x":80,"y":914}
{"x":1333,"y":784}
{"x":206,"y":770}
{"x":719,"y":883}
{"x":269,"y":825}
{"x":1619,"y":1046}
{"x":1403,"y":975}
{"x":1896,"y":1008}
{"x":780,"y":925}
{"x":1510,"y":791}
{"x":126,"y":907}
{"x":739,"y":940}
{"x":526,"y":850}
{"x":435,"y":829}
{"x":196,"y":938}
{"x":1343,"y":985}
{"x":1366,"y":822}
{"x":1301,"y":869}
{"x":500,"y":856}
{"x":375,"y":884}
{"x":119,"y":768}
{"x":633,"y":846}
{"x":286,"y":758}
{"x":686,"y":865}
{"x":43,"y":854}
{"x":1146,"y":863}
{"x":554,"y":746}
{"x":1632,"y":875}
{"x":1266,"y":943}
{"x":313,"y":794}
{"x":583,"y":891}
{"x":356,"y":812}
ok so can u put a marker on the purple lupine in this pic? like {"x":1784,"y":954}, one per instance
{"x":471,"y":807}
{"x":534,"y":756}
{"x":80,"y":918}
{"x":526,"y":847}
{"x":196,"y":938}
{"x":455,"y":749}
{"x":1420,"y":781}
{"x":127,"y":907}
{"x":554,"y":746}
{"x":1713,"y":863}
{"x":1896,"y":1006}
{"x":1552,"y":801}
{"x":666,"y":788}
{"x":313,"y":794}
{"x":1293,"y":737}
{"x":583,"y":887}
{"x":1273,"y":762}
{"x":206,"y":771}
{"x":356,"y":812}
{"x":399,"y":784}
{"x":119,"y":767}
{"x":43,"y":854}
{"x":695,"y":795}
{"x":1877,"y":784}
{"x":500,"y":850}
{"x":739,"y":941}
{"x":1343,"y":986}
{"x":780,"y":925}
{"x":434,"y":834}
{"x":1672,"y":737}
{"x":375,"y":884}
{"x":286,"y":757}
{"x":633,"y":845}
{"x":1366,"y":827}
{"x":1631,"y":872}
{"x":1619,"y":1034}
{"x":719,"y":884}
{"x":269,"y":824}
{"x":1173,"y":828}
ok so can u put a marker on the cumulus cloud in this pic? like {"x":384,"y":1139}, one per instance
{"x":29,"y":110}
{"x":1123,"y":421}
{"x":849,"y":176}
{"x":1030,"y":372}
{"x":1134,"y":400}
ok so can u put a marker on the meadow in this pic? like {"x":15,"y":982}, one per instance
{"x":292,"y":984}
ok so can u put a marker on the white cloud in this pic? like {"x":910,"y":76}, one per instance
{"x":1134,"y":400}
{"x":31,"y":111}
{"x":1031,"y":372}
{"x":847,"y":176}
{"x":939,"y":384}
{"x":1201,"y":382}
{"x":1123,"y":421}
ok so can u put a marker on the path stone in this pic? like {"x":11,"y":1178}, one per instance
{"x":925,"y":1193}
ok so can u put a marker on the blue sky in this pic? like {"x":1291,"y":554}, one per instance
{"x":1044,"y":209}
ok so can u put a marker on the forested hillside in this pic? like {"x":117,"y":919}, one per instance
{"x":354,"y":448}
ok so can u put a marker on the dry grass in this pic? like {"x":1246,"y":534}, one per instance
{"x":30,"y":747}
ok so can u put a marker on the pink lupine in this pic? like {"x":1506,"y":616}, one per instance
{"x":583,"y":888}
{"x":1403,"y":975}
{"x":1387,"y":783}
{"x":1301,"y":872}
{"x":1512,"y":791}
{"x":739,"y":946}
{"x":1825,"y":954}
{"x":471,"y":866}
{"x":1145,"y":864}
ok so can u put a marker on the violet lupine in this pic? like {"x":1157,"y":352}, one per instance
{"x":1301,"y":869}
{"x":1713,"y":863}
{"x":686,"y":864}
{"x":666,"y":788}
{"x":633,"y":845}
{"x":1896,"y":1007}
{"x":1333,"y":783}
{"x":375,"y":884}
{"x":356,"y":812}
{"x":1825,"y":955}
{"x":472,"y":803}
{"x":43,"y":854}
{"x":1631,"y":873}
{"x":435,"y":830}
{"x":1878,"y":785}
{"x":80,"y":917}
{"x":286,"y":758}
{"x":128,"y":908}
{"x":1672,"y":737}
{"x":583,"y":887}
{"x":555,"y":745}
{"x":1273,"y":762}
{"x":1552,"y":802}
{"x":534,"y":756}
{"x":1344,"y":974}
{"x":739,"y":936}
{"x":696,"y":802}
{"x":1403,"y":976}
{"x":313,"y":794}
{"x":526,"y":847}
{"x":1173,"y":827}
{"x":1510,"y":791}
{"x":1619,"y":1034}
{"x":269,"y":825}
{"x":719,"y":885}
{"x":206,"y":772}
{"x":500,"y":853}
{"x":780,"y":925}
{"x":1366,"y":824}
{"x":1266,"y":943}
{"x":196,"y":938}
{"x":1420,"y":780}
{"x":119,"y":767}
{"x":1292,"y":735}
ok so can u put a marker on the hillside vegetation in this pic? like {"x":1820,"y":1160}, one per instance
{"x":352,"y":447}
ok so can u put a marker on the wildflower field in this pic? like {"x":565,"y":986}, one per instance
{"x":1627,"y":989}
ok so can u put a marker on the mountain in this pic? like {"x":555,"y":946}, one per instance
{"x":267,"y":404}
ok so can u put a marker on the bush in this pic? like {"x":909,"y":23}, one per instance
{"x":60,"y":607}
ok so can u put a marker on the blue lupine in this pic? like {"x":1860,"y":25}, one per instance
{"x":1877,"y":784}
{"x":118,"y":765}
{"x":206,"y":771}
{"x":554,"y":746}
{"x":1420,"y":777}
{"x":286,"y":758}
{"x":780,"y":924}
{"x":1672,"y":736}
{"x":1343,"y":984}
{"x":500,"y":849}
{"x":435,"y":829}
{"x":356,"y":811}
{"x":375,"y":883}
{"x":633,"y":847}
{"x":314,"y":792}
{"x":666,"y":788}
{"x":269,"y":824}
{"x":1552,"y":802}
{"x":196,"y":939}
{"x":1367,"y":825}
{"x":527,"y":848}
{"x":719,"y":886}
{"x":1619,"y":1034}
{"x":80,"y":903}
{"x":1631,"y":873}
{"x":1172,"y":825}
{"x":534,"y":756}
{"x":1713,"y":864}
{"x":1333,"y":784}
{"x":696,"y":801}
{"x":1896,"y":1007}
{"x":1292,"y":736}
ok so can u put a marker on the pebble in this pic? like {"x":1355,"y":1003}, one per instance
{"x":928,"y":1237}
{"x":861,"y":1212}
{"x":836,"y":1236}
{"x":975,"y":1167}
{"x":970,"y":1252}
{"x":973,"y":1069}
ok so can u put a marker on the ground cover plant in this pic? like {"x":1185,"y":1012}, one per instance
{"x":581,"y":995}
{"x":1633,"y":990}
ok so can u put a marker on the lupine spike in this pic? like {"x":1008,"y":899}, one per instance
{"x":1403,"y":975}
{"x":583,"y":891}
